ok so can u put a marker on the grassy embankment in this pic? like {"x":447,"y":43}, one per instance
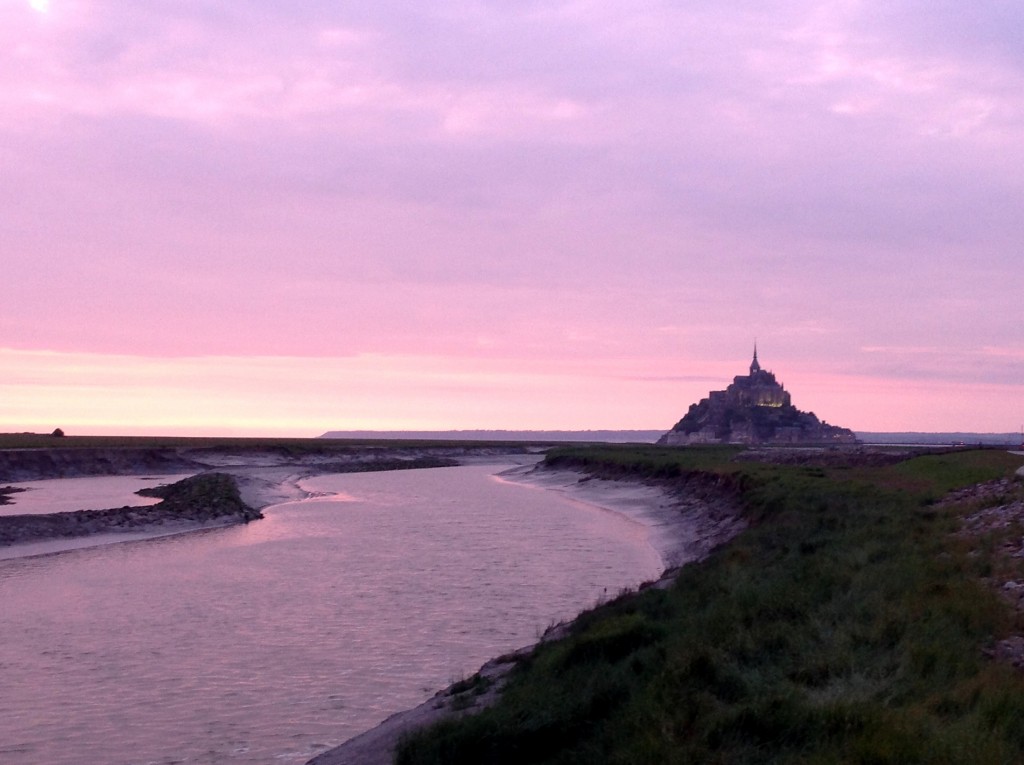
{"x":849,"y":624}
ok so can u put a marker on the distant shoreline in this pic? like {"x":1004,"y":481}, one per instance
{"x":895,"y":438}
{"x":527,"y":436}
{"x":238,"y":483}
{"x":940,"y":439}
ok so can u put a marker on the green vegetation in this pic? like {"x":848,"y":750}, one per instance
{"x":849,"y":624}
{"x":643,"y":462}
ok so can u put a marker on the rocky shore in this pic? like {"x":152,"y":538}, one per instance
{"x":992,"y":516}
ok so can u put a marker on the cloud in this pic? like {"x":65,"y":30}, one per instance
{"x":999,"y":365}
{"x":530,"y":180}
{"x":303,"y":396}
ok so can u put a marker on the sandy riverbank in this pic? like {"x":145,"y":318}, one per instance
{"x":683,"y":529}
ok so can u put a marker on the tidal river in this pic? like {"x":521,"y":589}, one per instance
{"x":269,"y":642}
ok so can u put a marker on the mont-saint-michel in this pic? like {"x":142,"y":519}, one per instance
{"x":754,"y":409}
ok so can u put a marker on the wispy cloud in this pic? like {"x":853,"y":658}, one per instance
{"x":544,"y":183}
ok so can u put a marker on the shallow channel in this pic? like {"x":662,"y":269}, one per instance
{"x":272,"y":641}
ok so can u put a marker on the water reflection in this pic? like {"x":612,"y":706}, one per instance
{"x":58,"y":495}
{"x":270,"y":641}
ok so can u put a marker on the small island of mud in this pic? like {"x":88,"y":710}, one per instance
{"x":206,"y":499}
{"x":234,"y":481}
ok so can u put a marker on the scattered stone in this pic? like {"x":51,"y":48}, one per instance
{"x":1011,"y":651}
{"x":994,"y":509}
{"x":1008,"y":513}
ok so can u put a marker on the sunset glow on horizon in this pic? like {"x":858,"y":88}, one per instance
{"x":261,"y":219}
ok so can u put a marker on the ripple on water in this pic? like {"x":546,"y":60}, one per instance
{"x":272,"y":641}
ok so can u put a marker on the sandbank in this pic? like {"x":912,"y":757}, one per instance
{"x":259,"y":487}
{"x":683,"y":528}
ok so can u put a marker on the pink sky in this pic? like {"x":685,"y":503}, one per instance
{"x":286,"y":218}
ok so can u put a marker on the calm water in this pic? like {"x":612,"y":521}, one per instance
{"x":57,"y":495}
{"x":268,"y":642}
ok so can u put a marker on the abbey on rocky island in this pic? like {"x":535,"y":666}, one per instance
{"x":754,"y":409}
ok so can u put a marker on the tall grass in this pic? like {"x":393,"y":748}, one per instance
{"x":847,"y":625}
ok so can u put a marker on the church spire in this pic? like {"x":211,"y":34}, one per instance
{"x":754,"y":366}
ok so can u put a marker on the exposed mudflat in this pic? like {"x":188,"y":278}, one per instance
{"x":256,"y":478}
{"x":202,"y":500}
{"x":18,"y":465}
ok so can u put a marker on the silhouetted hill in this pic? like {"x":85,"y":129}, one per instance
{"x":754,"y":409}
